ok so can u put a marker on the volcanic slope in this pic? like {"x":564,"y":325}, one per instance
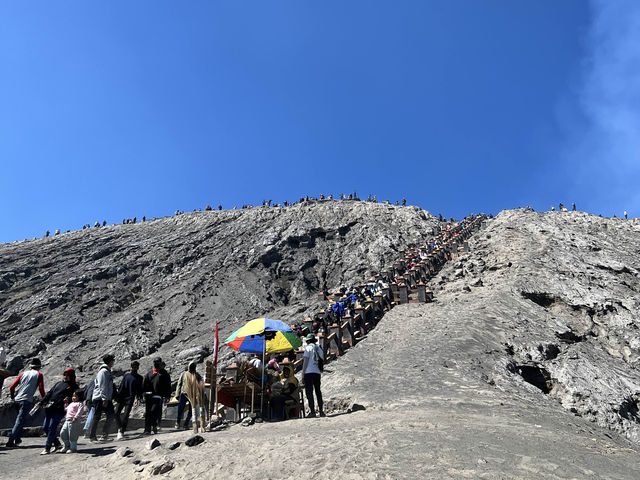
{"x":156,"y":288}
{"x":515,"y":371}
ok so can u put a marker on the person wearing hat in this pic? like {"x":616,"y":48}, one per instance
{"x":54,"y":403}
{"x":22,"y":391}
{"x":102,"y":399}
{"x":283,"y":392}
{"x":313,"y":358}
{"x":157,"y":388}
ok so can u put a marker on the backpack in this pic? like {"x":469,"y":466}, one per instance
{"x":320,"y":362}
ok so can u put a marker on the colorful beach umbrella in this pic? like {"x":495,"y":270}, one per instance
{"x":264,"y":335}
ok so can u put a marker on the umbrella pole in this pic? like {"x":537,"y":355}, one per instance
{"x":264,"y":349}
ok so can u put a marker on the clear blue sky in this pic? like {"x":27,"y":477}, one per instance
{"x":115,"y":109}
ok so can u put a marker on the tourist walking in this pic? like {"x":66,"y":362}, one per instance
{"x":157,"y":388}
{"x":54,"y":402}
{"x":102,"y":399}
{"x":194,"y":389}
{"x":313,"y":359}
{"x":22,"y":391}
{"x":71,"y":428}
{"x":129,"y":393}
{"x":183,"y":402}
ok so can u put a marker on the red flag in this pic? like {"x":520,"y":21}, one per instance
{"x":215,"y":348}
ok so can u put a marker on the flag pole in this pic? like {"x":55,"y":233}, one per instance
{"x":214,"y":377}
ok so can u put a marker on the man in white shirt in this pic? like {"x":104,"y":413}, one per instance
{"x":312,"y":358}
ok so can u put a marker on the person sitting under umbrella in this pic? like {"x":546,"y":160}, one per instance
{"x":283,"y":391}
{"x":253,"y":368}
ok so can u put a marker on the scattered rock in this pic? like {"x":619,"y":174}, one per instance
{"x":153,"y":443}
{"x":124,"y":452}
{"x":194,"y":353}
{"x":174,"y":445}
{"x":161,"y":466}
{"x":193,"y":441}
{"x":247,"y":421}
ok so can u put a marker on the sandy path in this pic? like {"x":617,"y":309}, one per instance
{"x":428,"y":414}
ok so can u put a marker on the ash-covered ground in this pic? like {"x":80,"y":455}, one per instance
{"x":525,"y":366}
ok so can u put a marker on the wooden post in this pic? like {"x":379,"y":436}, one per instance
{"x":422,"y":292}
{"x":337,"y":331}
{"x":379,"y":310}
{"x":404,"y":293}
{"x":346,"y":333}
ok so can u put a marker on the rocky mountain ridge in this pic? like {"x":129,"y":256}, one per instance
{"x":156,"y":288}
{"x":543,"y":309}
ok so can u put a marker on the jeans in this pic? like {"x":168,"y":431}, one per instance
{"x":124,"y":420}
{"x":50,"y":427}
{"x":92,"y":411}
{"x":70,"y":433}
{"x":25,"y":408}
{"x":311,"y":383}
{"x":110,"y":414}
{"x":184,"y":401}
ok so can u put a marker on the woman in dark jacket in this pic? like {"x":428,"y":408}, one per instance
{"x":54,"y":403}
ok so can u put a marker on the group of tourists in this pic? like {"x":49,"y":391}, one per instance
{"x":265,"y":203}
{"x":67,"y":402}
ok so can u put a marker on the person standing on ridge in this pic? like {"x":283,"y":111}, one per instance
{"x":22,"y":391}
{"x":102,"y":399}
{"x":129,"y":392}
{"x":312,"y":358}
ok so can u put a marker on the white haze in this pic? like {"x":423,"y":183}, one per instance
{"x":605,"y":153}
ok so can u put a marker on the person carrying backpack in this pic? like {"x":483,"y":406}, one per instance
{"x":129,"y":392}
{"x":312,"y":366}
{"x":102,"y":399}
{"x":157,"y":388}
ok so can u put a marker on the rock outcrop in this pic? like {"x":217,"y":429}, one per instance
{"x":554,"y":298}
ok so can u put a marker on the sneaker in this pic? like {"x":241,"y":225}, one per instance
{"x":120,"y":436}
{"x":177,"y":426}
{"x":45,"y":452}
{"x":93,"y":440}
{"x":17,"y":441}
{"x":70,"y":451}
{"x":312,"y":415}
{"x":104,"y":438}
{"x":322,"y":414}
{"x":10,"y":445}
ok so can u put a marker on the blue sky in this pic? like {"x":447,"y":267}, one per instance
{"x":120,"y":109}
